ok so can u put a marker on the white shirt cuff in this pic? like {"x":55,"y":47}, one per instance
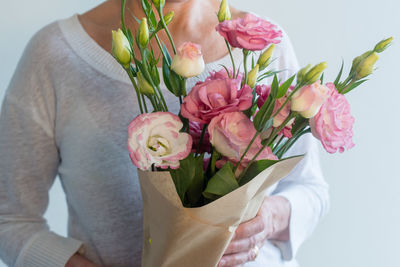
{"x":47,"y":249}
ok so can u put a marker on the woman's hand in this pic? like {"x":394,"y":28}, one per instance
{"x":79,"y":261}
{"x":271,"y":222}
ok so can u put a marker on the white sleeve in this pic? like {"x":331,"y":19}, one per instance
{"x":307,"y":192}
{"x":304,"y":187}
{"x":28,"y":166}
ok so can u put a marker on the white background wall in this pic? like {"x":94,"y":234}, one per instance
{"x":363,"y":226}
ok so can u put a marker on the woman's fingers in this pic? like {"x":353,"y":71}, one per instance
{"x":246,"y":244}
{"x":249,"y":228}
{"x":237,"y":259}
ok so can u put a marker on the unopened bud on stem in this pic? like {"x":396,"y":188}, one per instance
{"x":121,"y":48}
{"x":143,"y":33}
{"x":252,"y":78}
{"x":224,"y":13}
{"x":265,"y":57}
{"x":314,"y":73}
{"x":382,"y":45}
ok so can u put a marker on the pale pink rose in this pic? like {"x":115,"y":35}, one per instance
{"x":309,"y":99}
{"x":188,"y":62}
{"x":333,"y":124}
{"x":195,"y":130}
{"x":231,"y":133}
{"x":250,"y":33}
{"x":154,"y":138}
{"x":209,"y":99}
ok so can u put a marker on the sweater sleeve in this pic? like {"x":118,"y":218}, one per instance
{"x":29,"y":161}
{"x":305,"y":187}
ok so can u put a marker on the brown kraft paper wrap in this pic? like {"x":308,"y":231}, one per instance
{"x":175,"y":236}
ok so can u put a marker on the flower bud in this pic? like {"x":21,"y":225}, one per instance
{"x":188,"y":62}
{"x":382,"y":45}
{"x":168,"y":18}
{"x":314,"y":74}
{"x":366,"y":66}
{"x":265,"y":57}
{"x":224,"y":13}
{"x":159,"y":3}
{"x":358,"y":60}
{"x":121,"y":48}
{"x":144,"y":86}
{"x":143,"y":33}
{"x":252,"y":78}
{"x":302,"y":72}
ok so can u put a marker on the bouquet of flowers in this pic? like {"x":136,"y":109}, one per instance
{"x":206,"y":170}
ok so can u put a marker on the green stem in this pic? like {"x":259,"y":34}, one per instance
{"x":138,"y":94}
{"x":144,"y":104}
{"x":277,"y":145}
{"x":214,"y":157}
{"x":278,"y":130}
{"x":294,"y":114}
{"x":156,"y":89}
{"x":161,"y":49}
{"x":123,"y":16}
{"x":245,"y":152}
{"x":233,"y":61}
{"x":203,"y":132}
{"x":287,"y":100}
{"x":166,"y":29}
{"x":344,"y":89}
{"x":183,"y":84}
{"x":245,"y":55}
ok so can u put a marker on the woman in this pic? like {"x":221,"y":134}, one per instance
{"x":66,"y":112}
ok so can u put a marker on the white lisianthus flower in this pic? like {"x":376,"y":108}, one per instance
{"x":188,"y":62}
{"x":154,"y":138}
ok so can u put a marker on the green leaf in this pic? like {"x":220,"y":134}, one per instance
{"x":166,"y":54}
{"x":275,"y":86}
{"x":256,"y":168}
{"x":322,"y":78}
{"x":339,"y":75}
{"x":285,"y":87}
{"x":354,"y":85}
{"x":264,"y":114}
{"x":299,"y":123}
{"x":194,"y":192}
{"x":184,"y":176}
{"x":166,"y":75}
{"x":155,"y":75}
{"x":267,"y":75}
{"x":222,"y":183}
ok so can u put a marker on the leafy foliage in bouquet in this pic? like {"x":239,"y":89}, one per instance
{"x":233,"y":125}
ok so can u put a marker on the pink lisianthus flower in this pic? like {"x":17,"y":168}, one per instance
{"x":222,"y":74}
{"x":208,"y":99}
{"x":250,"y":33}
{"x":195,"y":130}
{"x":231,"y":133}
{"x":154,"y":138}
{"x":333,"y":124}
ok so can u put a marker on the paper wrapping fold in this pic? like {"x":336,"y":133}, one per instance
{"x":175,"y":236}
